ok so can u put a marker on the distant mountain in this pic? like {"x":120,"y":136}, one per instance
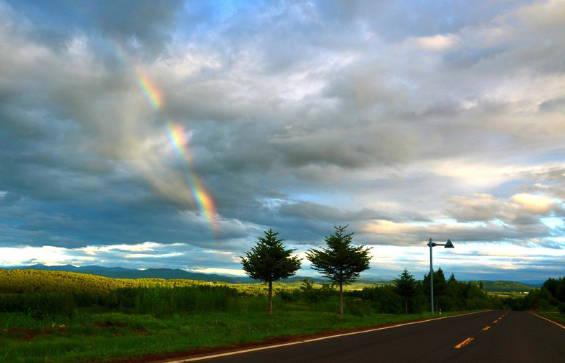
{"x":120,"y":272}
{"x":168,"y":273}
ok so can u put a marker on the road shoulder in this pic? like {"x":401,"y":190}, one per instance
{"x":217,"y":352}
{"x":554,"y":322}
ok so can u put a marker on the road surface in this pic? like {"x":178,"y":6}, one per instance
{"x":493,"y":336}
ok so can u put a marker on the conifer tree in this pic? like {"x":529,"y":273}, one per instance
{"x":340,"y":261}
{"x":406,"y":287}
{"x":270,"y":261}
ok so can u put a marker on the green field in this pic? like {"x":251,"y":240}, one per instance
{"x":57,"y":281}
{"x":102,"y":336}
{"x":49,"y":316}
{"x":507,"y":294}
{"x":506,"y":286}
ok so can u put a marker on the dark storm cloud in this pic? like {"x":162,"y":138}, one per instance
{"x":146,"y":23}
{"x":404,"y":120}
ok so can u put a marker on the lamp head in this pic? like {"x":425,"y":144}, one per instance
{"x":449,"y":244}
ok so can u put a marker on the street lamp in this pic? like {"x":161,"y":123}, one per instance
{"x":431,"y":244}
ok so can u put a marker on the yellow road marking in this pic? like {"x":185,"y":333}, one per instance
{"x":464,"y":343}
{"x":486,"y":328}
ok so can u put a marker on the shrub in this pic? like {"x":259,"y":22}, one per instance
{"x":165,"y":300}
{"x":38,"y":305}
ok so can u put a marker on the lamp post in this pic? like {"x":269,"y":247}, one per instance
{"x":431,"y":244}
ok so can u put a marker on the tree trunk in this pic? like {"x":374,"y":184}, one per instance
{"x":341,"y":300}
{"x":270,"y":297}
{"x":406,"y":306}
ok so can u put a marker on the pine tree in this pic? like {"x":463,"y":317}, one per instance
{"x":406,"y":286}
{"x":340,"y":261}
{"x":270,"y":261}
{"x":440,"y":286}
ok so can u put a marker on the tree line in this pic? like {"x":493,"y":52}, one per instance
{"x":551,"y":296}
{"x":341,"y":262}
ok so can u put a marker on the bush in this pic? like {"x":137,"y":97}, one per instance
{"x":288,"y":296}
{"x":165,"y":300}
{"x":358,"y":307}
{"x":38,"y":305}
{"x":382,"y":299}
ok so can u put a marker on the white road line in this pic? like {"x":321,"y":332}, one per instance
{"x":546,"y":319}
{"x":249,"y":350}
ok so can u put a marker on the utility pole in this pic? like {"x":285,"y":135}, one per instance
{"x":431,"y":244}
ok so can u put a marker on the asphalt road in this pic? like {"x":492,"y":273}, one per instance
{"x":510,"y":337}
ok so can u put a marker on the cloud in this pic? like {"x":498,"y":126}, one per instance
{"x":436,"y":42}
{"x":402,"y":120}
{"x":484,"y":207}
{"x":538,"y":204}
{"x":145,"y":25}
{"x":141,"y":255}
{"x":557,"y":104}
{"x":385,"y":232}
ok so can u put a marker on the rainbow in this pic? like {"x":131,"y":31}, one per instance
{"x":149,"y":89}
{"x":177,"y":137}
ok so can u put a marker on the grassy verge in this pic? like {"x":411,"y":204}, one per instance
{"x":553,"y":315}
{"x":106,"y":336}
{"x":70,"y":317}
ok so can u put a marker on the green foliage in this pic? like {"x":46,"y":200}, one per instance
{"x":455,"y":296}
{"x":166,"y":301}
{"x":50,"y":293}
{"x":406,"y":288}
{"x":550,"y":297}
{"x":505,"y":286}
{"x":341,"y":262}
{"x":309,"y":293}
{"x":45,"y":294}
{"x":383,"y":299}
{"x":38,"y":305}
{"x":451,"y":295}
{"x":555,"y":288}
{"x":269,"y":260}
{"x":441,"y":298}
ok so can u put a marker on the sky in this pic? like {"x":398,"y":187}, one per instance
{"x":173,"y":133}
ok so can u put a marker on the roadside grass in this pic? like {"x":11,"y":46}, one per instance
{"x":91,"y":336}
{"x":553,"y":315}
{"x":69,"y":317}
